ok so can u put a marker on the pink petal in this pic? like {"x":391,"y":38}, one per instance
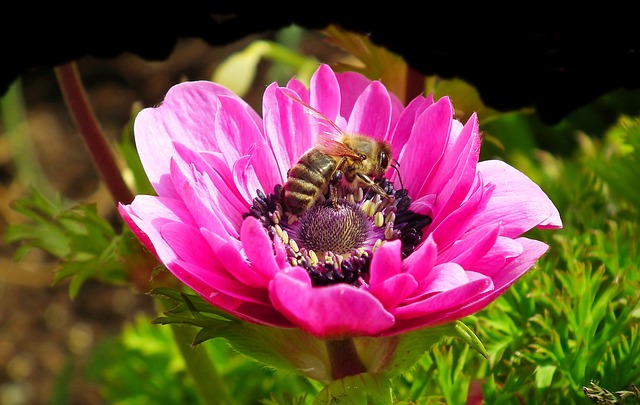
{"x":472,"y":246}
{"x":195,"y":254}
{"x":503,"y":279}
{"x":517,"y":203}
{"x":220,"y":175}
{"x":422,"y":260}
{"x":386,"y":262}
{"x":245,"y":310}
{"x":372,"y":114}
{"x":325,"y":94}
{"x":299,"y":88}
{"x":352,"y":84}
{"x":149,"y":214}
{"x":494,"y":260}
{"x":282,"y":258}
{"x":230,"y":255}
{"x":129,"y":216}
{"x":445,"y":301}
{"x":201,"y":197}
{"x":287,"y":128}
{"x":258,"y":248}
{"x":443,"y":277}
{"x":334,"y":311}
{"x":406,"y":120}
{"x":185,"y":115}
{"x":387,"y":284}
{"x":394,"y":290}
{"x":244,"y":177}
{"x":532,"y":251}
{"x":457,"y":170}
{"x":239,"y":134}
{"x":208,"y":282}
{"x":188,"y":244}
{"x":447,"y":230}
{"x":424,"y":205}
{"x":443,"y":314}
{"x":424,"y":149}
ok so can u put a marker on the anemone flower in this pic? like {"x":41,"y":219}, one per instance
{"x":339,"y":211}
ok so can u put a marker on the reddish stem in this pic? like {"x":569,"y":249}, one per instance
{"x":415,"y":84}
{"x":94,"y":138}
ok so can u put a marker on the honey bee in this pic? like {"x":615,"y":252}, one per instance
{"x":336,"y":158}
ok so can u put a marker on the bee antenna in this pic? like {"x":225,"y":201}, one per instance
{"x":395,"y":165}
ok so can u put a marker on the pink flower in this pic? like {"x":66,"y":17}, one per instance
{"x":442,"y":244}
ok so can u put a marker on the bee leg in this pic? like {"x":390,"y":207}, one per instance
{"x":367,"y":180}
{"x":336,"y":178}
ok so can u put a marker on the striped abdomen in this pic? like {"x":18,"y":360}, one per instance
{"x":306,"y":180}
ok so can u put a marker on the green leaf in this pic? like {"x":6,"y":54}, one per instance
{"x":41,"y":229}
{"x":412,"y":346}
{"x":544,"y":376}
{"x":238,"y":71}
{"x":360,"y":389}
{"x":375,"y":62}
{"x":466,"y":335}
{"x":133,"y":172}
{"x":86,"y":244}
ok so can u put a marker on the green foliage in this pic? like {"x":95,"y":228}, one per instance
{"x":265,"y":345}
{"x":86,"y":243}
{"x":574,"y":319}
{"x":143,"y":366}
{"x":444,"y":363}
{"x":569,"y":330}
{"x":603,"y":396}
{"x":617,"y":162}
{"x":282,"y":348}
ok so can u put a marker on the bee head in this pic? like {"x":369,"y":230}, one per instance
{"x":384,"y":159}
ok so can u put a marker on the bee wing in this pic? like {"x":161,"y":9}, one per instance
{"x":328,"y":140}
{"x":329,"y":145}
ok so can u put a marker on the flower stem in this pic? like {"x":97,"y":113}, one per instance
{"x":78,"y":104}
{"x":208,"y":383}
{"x":415,"y":84}
{"x":344,"y":358}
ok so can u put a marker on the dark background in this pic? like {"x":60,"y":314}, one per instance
{"x":545,"y":57}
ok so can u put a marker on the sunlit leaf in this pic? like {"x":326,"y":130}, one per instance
{"x":238,"y":71}
{"x":465,"y":97}
{"x":374,"y":61}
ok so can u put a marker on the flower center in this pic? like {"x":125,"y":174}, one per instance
{"x":335,"y":241}
{"x":340,"y":229}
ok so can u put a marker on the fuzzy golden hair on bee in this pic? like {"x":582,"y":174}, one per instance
{"x":336,"y":158}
